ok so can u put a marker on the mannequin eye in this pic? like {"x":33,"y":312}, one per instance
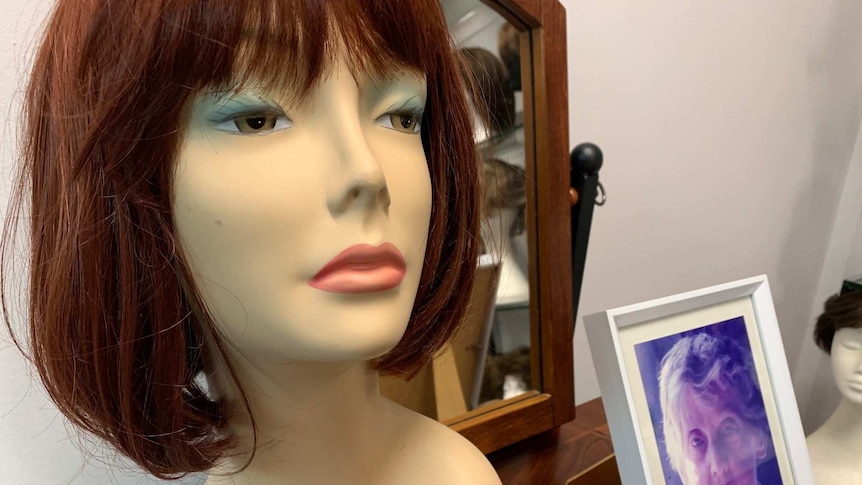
{"x":255,"y":123}
{"x":402,"y":122}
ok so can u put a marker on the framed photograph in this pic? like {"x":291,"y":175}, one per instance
{"x":697,"y":391}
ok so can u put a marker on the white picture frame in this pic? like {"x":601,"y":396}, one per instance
{"x":626,"y":345}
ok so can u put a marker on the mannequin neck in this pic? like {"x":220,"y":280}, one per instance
{"x":297,"y":393}
{"x":844,"y":427}
{"x":835,"y":447}
{"x":321,"y":415}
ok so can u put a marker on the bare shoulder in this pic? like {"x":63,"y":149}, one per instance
{"x":451,"y":458}
{"x":463,"y":459}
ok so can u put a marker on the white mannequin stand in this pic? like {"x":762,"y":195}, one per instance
{"x":836,"y":447}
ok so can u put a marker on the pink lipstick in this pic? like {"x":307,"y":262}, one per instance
{"x":362,"y":268}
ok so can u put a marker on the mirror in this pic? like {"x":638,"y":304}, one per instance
{"x":509,"y":375}
{"x":490,"y":48}
{"x":490,"y":360}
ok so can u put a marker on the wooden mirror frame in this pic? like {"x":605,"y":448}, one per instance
{"x":542,"y":24}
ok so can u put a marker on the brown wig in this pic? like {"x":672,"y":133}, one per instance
{"x":839,"y":311}
{"x":504,"y":185}
{"x":509,"y":46}
{"x":489,"y":87}
{"x":116,"y":325}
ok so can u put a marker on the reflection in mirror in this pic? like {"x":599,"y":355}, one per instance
{"x":490,"y":360}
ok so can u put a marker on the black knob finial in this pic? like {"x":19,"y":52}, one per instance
{"x":587,"y":159}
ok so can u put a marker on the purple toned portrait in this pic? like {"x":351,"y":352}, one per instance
{"x":706,"y":407}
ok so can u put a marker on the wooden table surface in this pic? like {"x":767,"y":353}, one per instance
{"x":554,"y":457}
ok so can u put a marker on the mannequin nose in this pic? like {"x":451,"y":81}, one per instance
{"x":365,"y":193}
{"x":363,"y":187}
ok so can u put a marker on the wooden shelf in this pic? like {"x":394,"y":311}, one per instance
{"x":581,"y":448}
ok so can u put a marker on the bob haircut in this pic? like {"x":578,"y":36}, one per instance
{"x":839,"y":311}
{"x":116,"y":326}
{"x":714,"y":369}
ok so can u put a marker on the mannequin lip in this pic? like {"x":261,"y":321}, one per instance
{"x":362,"y":268}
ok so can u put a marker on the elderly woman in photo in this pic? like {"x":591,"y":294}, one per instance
{"x":714,"y":422}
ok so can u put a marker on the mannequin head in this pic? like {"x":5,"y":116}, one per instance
{"x":838,"y":331}
{"x":840,"y":311}
{"x":145,"y":209}
{"x":714,"y":420}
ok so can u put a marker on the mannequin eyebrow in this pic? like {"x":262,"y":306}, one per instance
{"x":252,"y":96}
{"x":405,"y":81}
{"x":284,"y":90}
{"x":227,"y":95}
{"x":394,"y":72}
{"x":405,"y":103}
{"x":852,"y":343}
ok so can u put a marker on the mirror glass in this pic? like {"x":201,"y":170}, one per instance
{"x":489,"y":363}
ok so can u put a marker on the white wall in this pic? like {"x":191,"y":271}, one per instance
{"x":854,"y":263}
{"x":815,"y":387}
{"x":817,"y":393}
{"x":727,"y":129}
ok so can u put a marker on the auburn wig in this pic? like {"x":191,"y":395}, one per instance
{"x":116,"y":325}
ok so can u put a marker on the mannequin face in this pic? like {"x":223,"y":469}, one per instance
{"x":305,"y":222}
{"x":847,"y":363}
